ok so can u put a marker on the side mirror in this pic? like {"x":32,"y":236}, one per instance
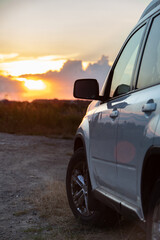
{"x":86,"y":89}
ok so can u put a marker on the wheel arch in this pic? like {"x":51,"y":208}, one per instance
{"x":79,"y":142}
{"x":150,"y":174}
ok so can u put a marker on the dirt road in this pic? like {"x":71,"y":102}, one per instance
{"x":26,"y":164}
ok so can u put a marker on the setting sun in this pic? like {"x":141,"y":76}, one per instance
{"x":35,"y":84}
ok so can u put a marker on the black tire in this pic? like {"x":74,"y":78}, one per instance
{"x":78,"y":192}
{"x":153,"y":218}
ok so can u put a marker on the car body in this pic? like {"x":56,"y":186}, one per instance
{"x":120,"y":133}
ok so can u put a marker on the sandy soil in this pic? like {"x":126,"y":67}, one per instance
{"x":27,"y":162}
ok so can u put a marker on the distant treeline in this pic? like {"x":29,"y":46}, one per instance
{"x":42,"y":117}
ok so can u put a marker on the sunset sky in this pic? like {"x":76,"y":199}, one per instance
{"x":47,"y":44}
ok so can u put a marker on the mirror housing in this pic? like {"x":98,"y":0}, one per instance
{"x":86,"y":89}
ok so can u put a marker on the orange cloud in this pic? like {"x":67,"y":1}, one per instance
{"x":63,"y":80}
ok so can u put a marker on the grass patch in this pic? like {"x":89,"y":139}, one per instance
{"x":20,"y":213}
{"x":52,"y":205}
{"x":52,"y":202}
{"x":33,"y":230}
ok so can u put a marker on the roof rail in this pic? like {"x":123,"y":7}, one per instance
{"x":150,"y":7}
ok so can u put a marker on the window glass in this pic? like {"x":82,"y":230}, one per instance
{"x":123,"y":71}
{"x":150,"y":67}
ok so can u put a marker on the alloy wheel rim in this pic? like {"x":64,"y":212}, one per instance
{"x":79,"y":189}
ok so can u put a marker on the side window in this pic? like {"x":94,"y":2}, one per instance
{"x":122,"y":75}
{"x":150,"y":67}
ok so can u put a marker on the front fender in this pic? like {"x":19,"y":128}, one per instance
{"x":82,"y":137}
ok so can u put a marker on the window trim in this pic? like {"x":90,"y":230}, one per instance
{"x":151,"y":20}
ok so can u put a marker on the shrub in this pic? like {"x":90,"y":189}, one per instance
{"x":42,"y":117}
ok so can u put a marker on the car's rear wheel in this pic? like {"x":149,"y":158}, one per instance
{"x":78,"y":192}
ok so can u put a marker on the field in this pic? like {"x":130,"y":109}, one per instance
{"x":42,"y":117}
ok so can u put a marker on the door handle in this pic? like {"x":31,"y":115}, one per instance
{"x":150,"y":106}
{"x":114,"y":113}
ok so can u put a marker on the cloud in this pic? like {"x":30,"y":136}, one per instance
{"x":9,"y":88}
{"x":10,"y":56}
{"x":99,"y":70}
{"x":71,"y":71}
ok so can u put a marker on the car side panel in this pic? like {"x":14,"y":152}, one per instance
{"x":135,"y":136}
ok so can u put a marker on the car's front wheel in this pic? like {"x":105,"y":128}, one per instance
{"x":78,"y":192}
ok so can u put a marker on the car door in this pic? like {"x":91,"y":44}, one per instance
{"x":104,"y":124}
{"x":138,"y":120}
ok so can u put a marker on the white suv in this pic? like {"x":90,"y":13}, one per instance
{"x":116,"y":160}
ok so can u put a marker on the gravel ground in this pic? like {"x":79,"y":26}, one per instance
{"x":27,"y":162}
